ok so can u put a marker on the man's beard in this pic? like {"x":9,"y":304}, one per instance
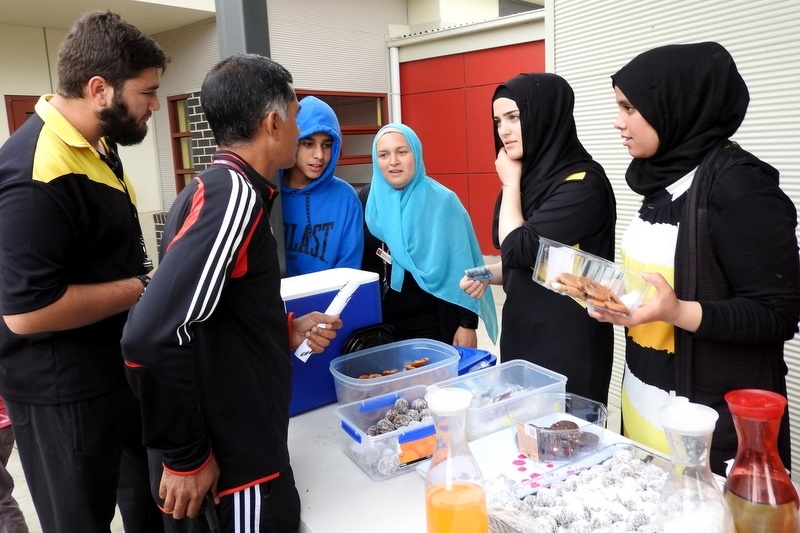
{"x":117,"y":124}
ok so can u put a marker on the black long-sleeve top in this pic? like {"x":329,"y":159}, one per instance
{"x":544,"y":327}
{"x":207,"y":347}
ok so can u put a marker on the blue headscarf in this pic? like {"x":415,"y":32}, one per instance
{"x":428,"y":232}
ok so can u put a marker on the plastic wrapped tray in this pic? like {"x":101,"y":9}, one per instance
{"x":505,"y":518}
{"x":590,"y":279}
{"x":573,"y":428}
{"x":583,"y":463}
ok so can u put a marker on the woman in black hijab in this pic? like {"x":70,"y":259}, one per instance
{"x":550,"y":187}
{"x":714,"y":225}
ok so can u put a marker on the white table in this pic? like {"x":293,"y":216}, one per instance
{"x":336,"y":495}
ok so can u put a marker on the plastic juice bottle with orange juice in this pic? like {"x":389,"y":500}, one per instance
{"x":458,"y":508}
{"x":454,"y":494}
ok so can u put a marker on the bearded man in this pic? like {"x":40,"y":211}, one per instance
{"x":72,"y":262}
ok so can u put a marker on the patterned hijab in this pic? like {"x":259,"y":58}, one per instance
{"x":551,"y":149}
{"x":693,"y":96}
{"x":428,"y":232}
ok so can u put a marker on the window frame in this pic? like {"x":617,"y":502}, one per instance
{"x":176,"y":137}
{"x":366,"y":129}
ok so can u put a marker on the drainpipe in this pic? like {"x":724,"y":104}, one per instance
{"x":242,"y":26}
{"x":395,"y":113}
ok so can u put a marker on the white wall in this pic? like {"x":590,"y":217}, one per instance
{"x":140,"y":165}
{"x":28,"y":57}
{"x":429,"y":14}
{"x":341,"y":49}
{"x":192,"y":50}
{"x":24,"y":64}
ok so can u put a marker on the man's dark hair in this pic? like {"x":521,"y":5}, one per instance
{"x":239,"y":92}
{"x":100,"y":43}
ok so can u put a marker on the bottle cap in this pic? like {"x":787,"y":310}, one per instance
{"x":448,"y":400}
{"x":688,"y":418}
{"x":756,"y":404}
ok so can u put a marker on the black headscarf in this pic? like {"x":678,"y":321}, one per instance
{"x":551,"y":149}
{"x":693,"y":96}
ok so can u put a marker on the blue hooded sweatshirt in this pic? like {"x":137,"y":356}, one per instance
{"x":323,"y":223}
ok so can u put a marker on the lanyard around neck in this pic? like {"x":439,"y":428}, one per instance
{"x":115,"y":164}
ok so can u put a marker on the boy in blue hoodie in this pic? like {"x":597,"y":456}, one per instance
{"x":323,"y":222}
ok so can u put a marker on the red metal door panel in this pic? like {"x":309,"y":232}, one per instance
{"x":434,"y":74}
{"x":447,"y":101}
{"x":495,"y":65}
{"x":483,"y":191}
{"x":438,"y":118}
{"x":456,"y":183}
{"x":480,"y":144}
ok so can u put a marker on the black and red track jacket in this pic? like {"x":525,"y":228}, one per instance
{"x":207,"y":346}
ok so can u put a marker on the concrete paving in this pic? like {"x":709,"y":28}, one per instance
{"x":23,"y":497}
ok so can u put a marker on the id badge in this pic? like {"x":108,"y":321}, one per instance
{"x":383,"y":254}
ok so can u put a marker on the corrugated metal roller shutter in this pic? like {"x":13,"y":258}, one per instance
{"x":592,"y":40}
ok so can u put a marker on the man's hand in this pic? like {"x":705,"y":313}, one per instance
{"x":183,"y":495}
{"x":318,"y":328}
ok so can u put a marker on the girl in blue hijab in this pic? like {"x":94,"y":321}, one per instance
{"x":426,"y":235}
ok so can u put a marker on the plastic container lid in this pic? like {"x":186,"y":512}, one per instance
{"x":305,"y":285}
{"x":448,"y":401}
{"x":756,"y":404}
{"x":688,"y":418}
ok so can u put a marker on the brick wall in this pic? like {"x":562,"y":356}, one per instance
{"x":203,"y":145}
{"x":203,"y":148}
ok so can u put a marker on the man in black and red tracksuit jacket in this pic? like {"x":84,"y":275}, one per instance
{"x":207,"y":346}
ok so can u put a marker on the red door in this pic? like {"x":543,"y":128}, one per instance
{"x":19,"y":108}
{"x":447,"y":101}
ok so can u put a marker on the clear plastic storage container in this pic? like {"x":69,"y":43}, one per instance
{"x":513,"y":390}
{"x":572,"y":428}
{"x":588,"y":278}
{"x":386,"y":455}
{"x":349,"y":371}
